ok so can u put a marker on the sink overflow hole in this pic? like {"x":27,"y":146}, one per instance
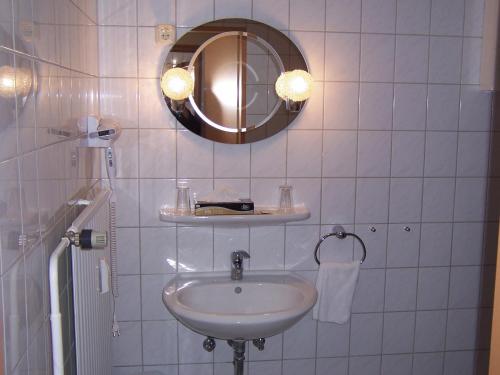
{"x":237,"y":290}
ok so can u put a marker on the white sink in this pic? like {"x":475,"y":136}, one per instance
{"x":260,"y":305}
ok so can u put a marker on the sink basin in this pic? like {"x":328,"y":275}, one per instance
{"x":262,"y":304}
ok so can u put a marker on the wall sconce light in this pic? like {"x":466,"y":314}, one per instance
{"x":294,"y":87}
{"x":177,"y":84}
{"x":15,"y":81}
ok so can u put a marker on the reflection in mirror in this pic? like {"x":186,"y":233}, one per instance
{"x":235,"y":75}
{"x":234,"y":64}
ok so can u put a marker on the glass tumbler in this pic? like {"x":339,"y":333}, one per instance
{"x":183,"y":203}
{"x":286,"y":203}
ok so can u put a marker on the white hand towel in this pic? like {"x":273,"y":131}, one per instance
{"x":335,"y":284}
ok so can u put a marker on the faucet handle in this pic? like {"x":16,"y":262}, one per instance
{"x":239,"y":254}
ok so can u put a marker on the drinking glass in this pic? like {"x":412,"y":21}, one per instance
{"x":183,"y":203}
{"x":286,"y":203}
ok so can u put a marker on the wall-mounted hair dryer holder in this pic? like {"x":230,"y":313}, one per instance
{"x":99,"y":133}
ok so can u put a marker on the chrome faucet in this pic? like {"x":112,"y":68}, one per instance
{"x":237,"y":264}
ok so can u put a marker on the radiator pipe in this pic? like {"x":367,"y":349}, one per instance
{"x":55,"y":311}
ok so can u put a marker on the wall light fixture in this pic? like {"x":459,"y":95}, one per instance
{"x":294,"y":87}
{"x":177,"y":83}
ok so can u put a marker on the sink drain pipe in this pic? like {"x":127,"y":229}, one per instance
{"x":238,"y":355}
{"x":238,"y":351}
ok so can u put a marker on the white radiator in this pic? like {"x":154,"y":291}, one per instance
{"x":92,"y":306}
{"x":91,"y":294}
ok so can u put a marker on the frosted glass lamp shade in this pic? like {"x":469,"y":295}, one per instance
{"x":281,"y":86}
{"x":14,"y":81}
{"x":177,"y":83}
{"x":295,"y":85}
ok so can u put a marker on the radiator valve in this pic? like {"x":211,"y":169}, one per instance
{"x":88,"y":239}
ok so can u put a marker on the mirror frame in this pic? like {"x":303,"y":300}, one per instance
{"x":282,"y":47}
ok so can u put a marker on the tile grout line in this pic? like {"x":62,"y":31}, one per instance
{"x":360,"y":313}
{"x":322,"y":148}
{"x":315,"y":269}
{"x":358,"y":114}
{"x":423,"y":186}
{"x":449,"y":36}
{"x":454,"y":190}
{"x":390,"y":185}
{"x":139,"y":181}
{"x":47,"y":62}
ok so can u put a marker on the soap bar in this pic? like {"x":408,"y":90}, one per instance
{"x":241,"y":207}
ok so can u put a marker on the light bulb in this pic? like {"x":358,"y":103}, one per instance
{"x":281,"y":85}
{"x":295,"y":85}
{"x":177,"y":83}
{"x":14,"y":81}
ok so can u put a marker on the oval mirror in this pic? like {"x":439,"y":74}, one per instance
{"x":219,"y":80}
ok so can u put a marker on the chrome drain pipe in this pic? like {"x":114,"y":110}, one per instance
{"x":238,"y":351}
{"x":238,"y":355}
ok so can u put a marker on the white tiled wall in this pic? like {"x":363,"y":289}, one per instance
{"x":41,"y":166}
{"x":396,"y":134}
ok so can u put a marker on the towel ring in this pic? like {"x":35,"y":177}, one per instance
{"x":340,"y":233}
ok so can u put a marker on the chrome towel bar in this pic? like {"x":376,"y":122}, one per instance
{"x":340,"y":233}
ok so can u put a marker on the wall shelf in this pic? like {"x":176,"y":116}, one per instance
{"x":263,"y":216}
